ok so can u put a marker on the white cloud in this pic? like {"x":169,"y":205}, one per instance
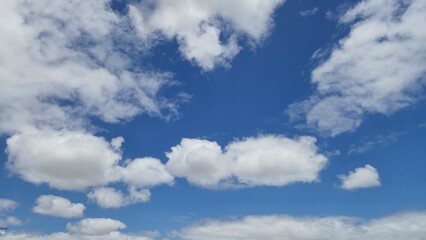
{"x":107,"y":197}
{"x":400,"y":226}
{"x":95,"y":226}
{"x":7,"y":205}
{"x":138,"y":195}
{"x":63,"y":159}
{"x":64,"y":63}
{"x":363,"y":177}
{"x":74,"y":160}
{"x":10,"y":221}
{"x":374,"y":142}
{"x":207,"y":31}
{"x":111,"y":198}
{"x":199,"y":161}
{"x":58,"y":207}
{"x":70,"y":236}
{"x":378,"y":68}
{"x":86,"y":229}
{"x":60,"y":66}
{"x":116,"y":143}
{"x":309,"y":12}
{"x":265,"y":160}
{"x":145,"y":172}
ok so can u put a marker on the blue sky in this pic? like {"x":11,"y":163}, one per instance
{"x":199,"y":120}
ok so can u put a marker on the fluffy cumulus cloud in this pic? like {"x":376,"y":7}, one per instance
{"x":74,"y":160}
{"x":139,"y":174}
{"x":7,"y":204}
{"x":208,"y":32}
{"x":258,"y":161}
{"x":58,"y":207}
{"x":107,"y":197}
{"x":378,"y":68}
{"x":401,"y":226}
{"x":64,"y":159}
{"x":62,"y":64}
{"x":86,"y":229}
{"x":363,"y":177}
{"x":10,"y":221}
{"x":66,"y":63}
{"x":75,"y":66}
{"x":145,"y":172}
{"x":95,"y":226}
{"x":69,"y":236}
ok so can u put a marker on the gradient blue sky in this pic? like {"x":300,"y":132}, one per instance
{"x":329,"y":70}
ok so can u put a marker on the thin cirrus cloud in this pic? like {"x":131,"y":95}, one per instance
{"x":58,"y":207}
{"x":409,"y":225}
{"x":309,"y":12}
{"x":378,"y":68}
{"x":257,"y":161}
{"x":362,"y":177}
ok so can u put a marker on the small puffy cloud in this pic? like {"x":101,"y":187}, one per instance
{"x":10,"y":221}
{"x":95,"y":226}
{"x":259,"y":161}
{"x":308,"y":12}
{"x":207,"y":32}
{"x":138,"y":195}
{"x":68,"y":160}
{"x":116,"y":143}
{"x":145,"y":172}
{"x":363,"y":177}
{"x":107,"y":197}
{"x":138,"y":174}
{"x":199,"y":161}
{"x":58,"y":207}
{"x":395,"y":227}
{"x":367,"y":72}
{"x":7,"y":205}
{"x":276,"y":160}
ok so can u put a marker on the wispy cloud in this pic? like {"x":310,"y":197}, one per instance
{"x":409,"y":225}
{"x":309,"y":12}
{"x":374,"y":142}
{"x":379,"y":67}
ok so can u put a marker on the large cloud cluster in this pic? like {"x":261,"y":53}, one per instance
{"x":400,"y":226}
{"x":378,"y":68}
{"x":208,"y":32}
{"x":65,"y":63}
{"x":257,"y":161}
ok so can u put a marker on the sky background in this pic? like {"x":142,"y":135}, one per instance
{"x":330,"y":94}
